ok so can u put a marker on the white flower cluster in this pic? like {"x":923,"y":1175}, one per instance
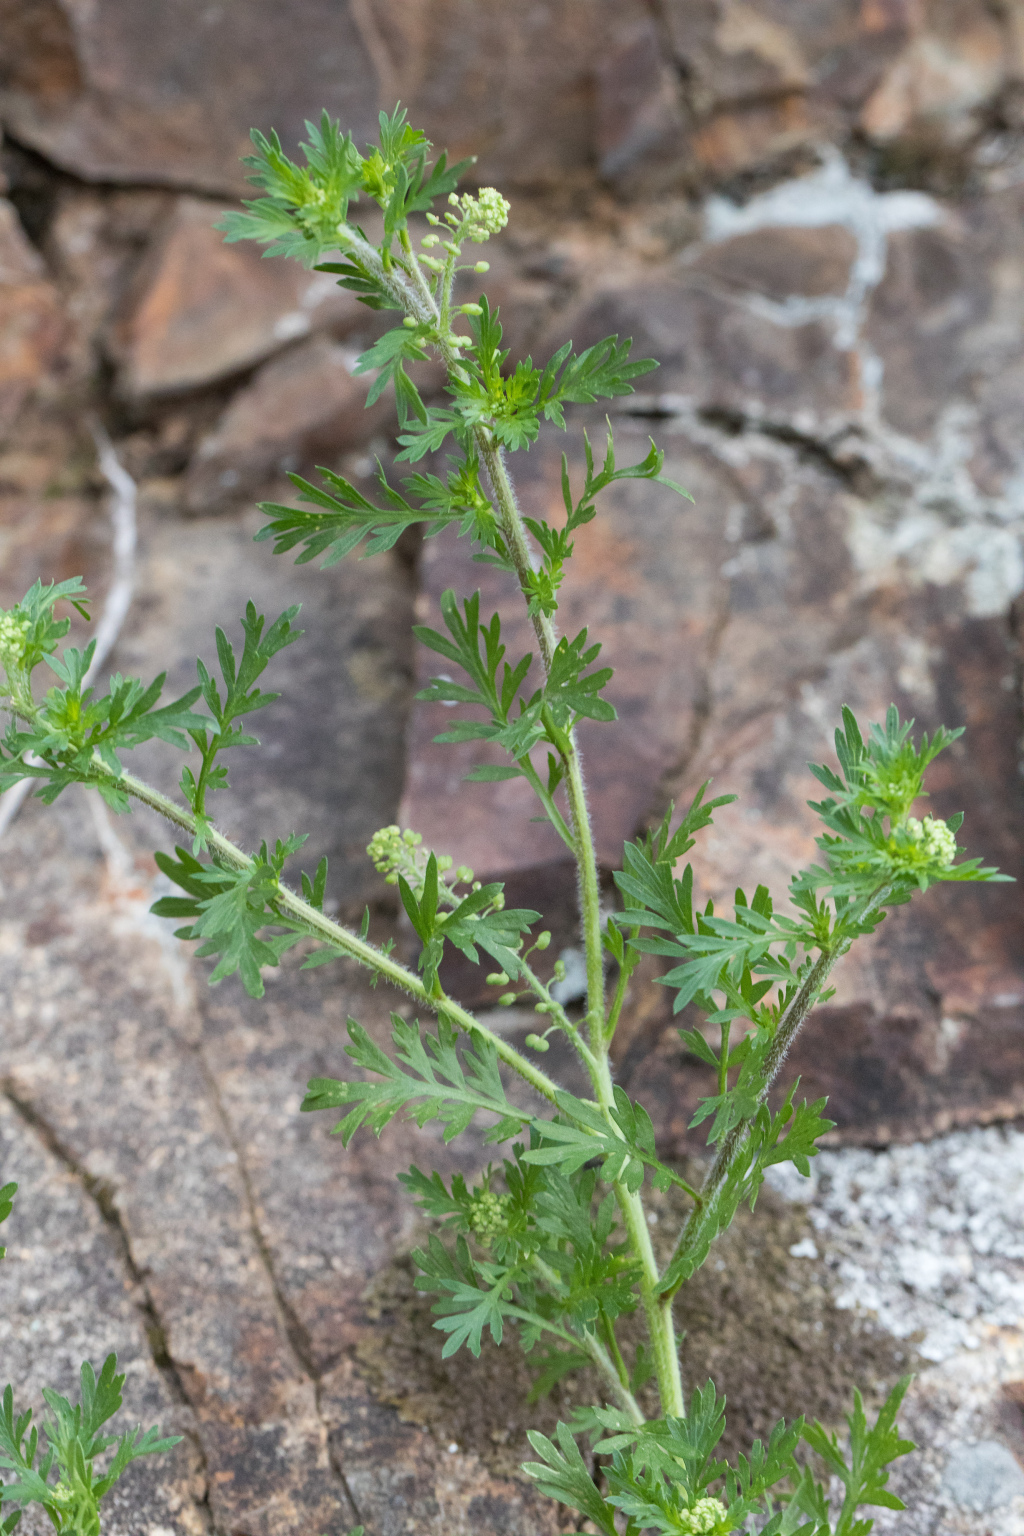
{"x":13,"y":634}
{"x":704,"y":1519}
{"x":482,"y":216}
{"x":933,"y":838}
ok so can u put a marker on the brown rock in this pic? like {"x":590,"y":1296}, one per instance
{"x":714,"y":349}
{"x":205,"y":310}
{"x":640,"y":124}
{"x":300,"y":405}
{"x":69,"y":1293}
{"x":778,"y":262}
{"x":947,"y":321}
{"x":331,"y":760}
{"x":746,"y":137}
{"x":108,"y":100}
{"x":113,"y":99}
{"x":956,"y":61}
{"x":31,"y":324}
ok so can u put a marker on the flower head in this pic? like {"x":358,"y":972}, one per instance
{"x":933,"y":838}
{"x":482,"y":216}
{"x":706,"y":1518}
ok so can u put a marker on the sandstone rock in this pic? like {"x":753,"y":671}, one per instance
{"x":70,"y":1293}
{"x":204,"y":310}
{"x":98,"y":95}
{"x":331,"y":759}
{"x":956,"y":61}
{"x":300,"y":405}
{"x":31,"y":324}
{"x":641,"y":129}
{"x":781,"y":262}
{"x":112,"y":99}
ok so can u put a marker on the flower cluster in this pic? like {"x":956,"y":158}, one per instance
{"x":488,"y":1215}
{"x":395,"y":853}
{"x":482,"y":216}
{"x":707,"y":1518}
{"x":933,"y":838}
{"x":14,"y":629}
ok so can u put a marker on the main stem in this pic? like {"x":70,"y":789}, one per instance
{"x":420,"y":303}
{"x":657,"y":1307}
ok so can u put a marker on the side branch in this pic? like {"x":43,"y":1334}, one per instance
{"x":320,"y":926}
{"x":732,"y":1146}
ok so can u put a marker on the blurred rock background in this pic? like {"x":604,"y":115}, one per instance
{"x":811,"y":214}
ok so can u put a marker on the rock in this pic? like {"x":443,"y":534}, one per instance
{"x":104,"y":99}
{"x":331,"y":760}
{"x":110,"y":100}
{"x":640,"y":125}
{"x":70,"y":1293}
{"x":204,"y":310}
{"x":783,"y":262}
{"x":31,"y":323}
{"x":983,"y":1476}
{"x":300,"y":405}
{"x":955,"y":62}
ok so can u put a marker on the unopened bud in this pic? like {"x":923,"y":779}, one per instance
{"x":506,"y":1000}
{"x":409,"y":323}
{"x":497,"y":979}
{"x":543,"y":940}
{"x":429,"y":240}
{"x":482,"y":266}
{"x":470,"y":309}
{"x":538,"y":1043}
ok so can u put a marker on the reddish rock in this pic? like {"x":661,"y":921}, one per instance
{"x":641,"y":128}
{"x":300,"y":405}
{"x":204,"y":310}
{"x":778,"y":262}
{"x":102,"y":96}
{"x":955,"y":60}
{"x":717,"y":351}
{"x":31,"y":322}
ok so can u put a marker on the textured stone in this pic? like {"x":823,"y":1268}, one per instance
{"x":780,"y":262}
{"x":955,"y":62}
{"x":331,"y":761}
{"x":301,"y":405}
{"x":98,"y":94}
{"x":204,"y":309}
{"x":31,"y":324}
{"x":67,"y":1294}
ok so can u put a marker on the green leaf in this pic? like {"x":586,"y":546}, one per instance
{"x":562,"y":1474}
{"x":432,"y":1079}
{"x":7,"y":1194}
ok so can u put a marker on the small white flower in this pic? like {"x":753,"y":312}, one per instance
{"x":934,"y":838}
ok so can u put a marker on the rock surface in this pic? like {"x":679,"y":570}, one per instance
{"x":811,"y":214}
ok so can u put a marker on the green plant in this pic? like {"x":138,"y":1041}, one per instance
{"x":72,"y":1441}
{"x":554,"y":1243}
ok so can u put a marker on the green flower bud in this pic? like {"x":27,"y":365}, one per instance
{"x":543,"y":940}
{"x":470,"y":309}
{"x":429,"y":240}
{"x":538,"y":1043}
{"x":482,"y":266}
{"x":506,"y":999}
{"x":497,"y":979}
{"x":409,"y":323}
